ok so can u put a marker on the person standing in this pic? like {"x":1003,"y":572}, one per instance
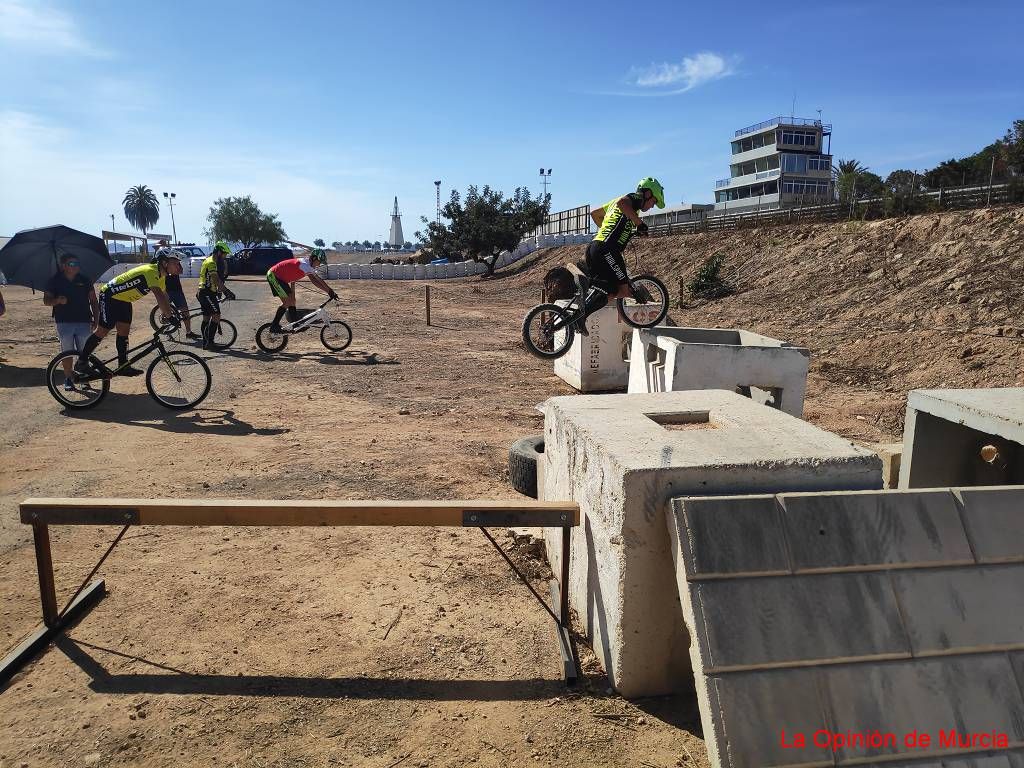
{"x":210,"y":287}
{"x":176,"y":294}
{"x":75,"y":309}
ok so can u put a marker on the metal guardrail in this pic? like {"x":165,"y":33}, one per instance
{"x":780,"y":120}
{"x":723,"y":182}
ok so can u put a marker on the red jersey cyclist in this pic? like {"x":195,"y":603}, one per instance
{"x":282,"y":278}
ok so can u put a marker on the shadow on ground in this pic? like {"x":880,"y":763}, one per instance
{"x":141,"y":410}
{"x":170,"y":680}
{"x":13,"y":376}
{"x":351,"y":357}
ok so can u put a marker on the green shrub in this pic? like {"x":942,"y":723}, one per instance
{"x":707,"y":283}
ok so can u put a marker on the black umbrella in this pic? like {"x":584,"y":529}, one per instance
{"x":32,"y":256}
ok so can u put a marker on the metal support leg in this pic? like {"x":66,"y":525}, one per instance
{"x":560,"y":597}
{"x":44,"y":566}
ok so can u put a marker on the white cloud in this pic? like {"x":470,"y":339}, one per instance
{"x":692,"y":71}
{"x":45,"y":29}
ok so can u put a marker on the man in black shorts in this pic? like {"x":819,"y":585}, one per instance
{"x":176,"y":295}
{"x":617,"y":221}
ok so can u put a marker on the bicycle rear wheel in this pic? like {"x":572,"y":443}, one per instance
{"x":336,"y":336}
{"x":269,"y":341}
{"x":179,"y":379}
{"x":225,"y":335}
{"x":82,"y":394}
{"x":650,"y":305}
{"x":540,"y":335}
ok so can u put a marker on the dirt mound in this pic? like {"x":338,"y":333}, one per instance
{"x":885,"y":306}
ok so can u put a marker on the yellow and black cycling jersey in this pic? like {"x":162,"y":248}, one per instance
{"x":617,"y":228}
{"x":207,"y":272}
{"x":136,"y":283}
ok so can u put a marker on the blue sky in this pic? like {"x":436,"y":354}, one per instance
{"x":324,"y":111}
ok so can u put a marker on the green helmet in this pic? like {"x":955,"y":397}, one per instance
{"x":656,"y":189}
{"x":222,"y":247}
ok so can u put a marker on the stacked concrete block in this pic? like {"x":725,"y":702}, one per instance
{"x":963,"y":437}
{"x":666,"y":359}
{"x":825,"y":616}
{"x":623,"y":458}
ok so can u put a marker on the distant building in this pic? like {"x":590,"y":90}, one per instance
{"x":778,"y":163}
{"x":396,"y":238}
{"x":675,"y":214}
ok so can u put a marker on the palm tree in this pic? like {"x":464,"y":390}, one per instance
{"x":141,"y":208}
{"x":845,"y":174}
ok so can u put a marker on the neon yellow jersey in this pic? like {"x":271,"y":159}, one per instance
{"x":207,"y":272}
{"x":136,"y":283}
{"x":616,"y":228}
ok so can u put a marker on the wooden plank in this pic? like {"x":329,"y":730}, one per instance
{"x":288,"y":512}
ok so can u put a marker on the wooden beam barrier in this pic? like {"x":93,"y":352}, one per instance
{"x":476,"y":513}
{"x":42,"y":513}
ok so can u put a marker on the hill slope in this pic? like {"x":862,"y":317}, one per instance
{"x":884,"y":306}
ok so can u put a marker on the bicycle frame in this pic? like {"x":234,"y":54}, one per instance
{"x":319,"y":315}
{"x":155,"y":343}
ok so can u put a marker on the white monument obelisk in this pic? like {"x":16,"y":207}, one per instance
{"x":396,"y":239}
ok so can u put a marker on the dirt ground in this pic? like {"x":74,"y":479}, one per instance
{"x":414,"y":647}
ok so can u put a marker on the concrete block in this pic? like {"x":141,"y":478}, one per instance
{"x":622,"y":458}
{"x":851,"y":530}
{"x":743,"y":538}
{"x":598,"y":362}
{"x":994,"y":520}
{"x":936,"y":644}
{"x":963,"y":437}
{"x":891,"y":455}
{"x":668,"y":359}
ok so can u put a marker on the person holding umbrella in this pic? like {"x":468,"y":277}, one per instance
{"x":75,"y":308}
{"x":115,"y":308}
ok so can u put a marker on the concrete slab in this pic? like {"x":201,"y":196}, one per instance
{"x":622,"y":458}
{"x":772,"y":372}
{"x":994,"y":520}
{"x":599,"y":362}
{"x":963,"y":437}
{"x":904,"y":636}
{"x":891,"y":455}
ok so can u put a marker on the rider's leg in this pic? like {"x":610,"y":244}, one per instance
{"x":211,"y":325}
{"x":123,"y":329}
{"x":104,"y":323}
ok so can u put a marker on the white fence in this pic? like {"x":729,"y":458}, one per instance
{"x":446,"y":271}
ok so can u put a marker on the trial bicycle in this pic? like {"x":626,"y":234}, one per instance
{"x":176,"y":379}
{"x":226,"y":334}
{"x":549,"y":329}
{"x":335,"y":335}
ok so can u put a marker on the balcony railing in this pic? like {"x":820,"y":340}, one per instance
{"x":826,"y":128}
{"x":767,"y":174}
{"x":722,"y":183}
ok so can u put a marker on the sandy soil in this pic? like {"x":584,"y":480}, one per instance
{"x":296,"y":647}
{"x":403,"y":647}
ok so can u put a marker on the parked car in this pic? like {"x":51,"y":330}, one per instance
{"x":256,"y":261}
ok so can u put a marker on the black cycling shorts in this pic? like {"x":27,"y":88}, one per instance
{"x":208,"y":301}
{"x":177,"y":299}
{"x":113,"y":311}
{"x":606,"y":265}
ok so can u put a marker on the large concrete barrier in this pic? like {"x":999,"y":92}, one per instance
{"x":963,"y":437}
{"x":666,"y":359}
{"x":846,"y":628}
{"x":623,"y":458}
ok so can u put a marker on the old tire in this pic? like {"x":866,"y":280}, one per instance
{"x":522,"y":464}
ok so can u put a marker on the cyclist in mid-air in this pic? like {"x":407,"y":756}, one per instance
{"x":282,"y":278}
{"x":617,"y":221}
{"x":210,"y":286}
{"x":115,"y":305}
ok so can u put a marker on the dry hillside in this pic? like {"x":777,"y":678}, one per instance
{"x":884,"y":306}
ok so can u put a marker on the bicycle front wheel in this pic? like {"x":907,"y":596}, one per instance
{"x":225,"y":335}
{"x":547,"y":331}
{"x":179,"y":379}
{"x":154,"y":318}
{"x":650,"y":304}
{"x":74,"y":391}
{"x":336,"y":336}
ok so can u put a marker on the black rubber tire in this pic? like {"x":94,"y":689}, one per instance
{"x":226,"y":337}
{"x":651,"y":322}
{"x":557,"y":351}
{"x":344,"y":339}
{"x":265,"y":340}
{"x":522,"y":464}
{"x":154,"y":318}
{"x":58,"y":394}
{"x":194,"y":359}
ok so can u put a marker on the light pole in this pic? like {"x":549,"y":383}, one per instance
{"x":437,"y":189}
{"x":170,"y":201}
{"x":544,"y":180}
